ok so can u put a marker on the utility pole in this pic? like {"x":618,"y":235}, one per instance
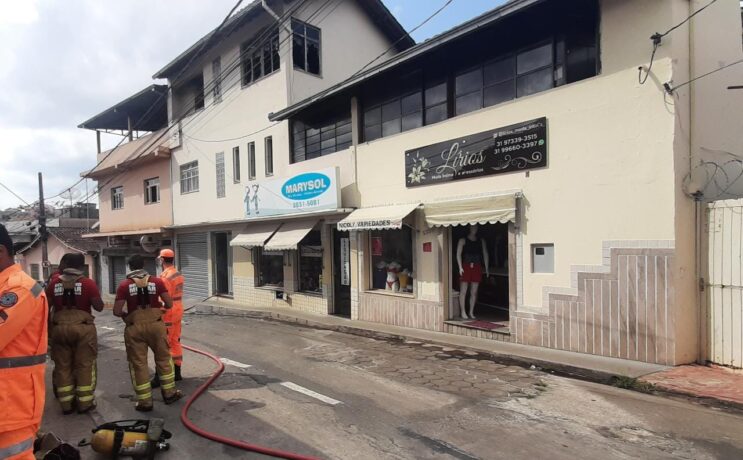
{"x":42,"y":230}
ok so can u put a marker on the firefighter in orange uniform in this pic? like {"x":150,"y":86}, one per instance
{"x":23,"y":341}
{"x":173,"y":317}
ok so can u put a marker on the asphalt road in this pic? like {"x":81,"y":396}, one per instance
{"x":340,"y":396}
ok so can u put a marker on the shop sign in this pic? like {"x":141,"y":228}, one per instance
{"x":305,"y":192}
{"x":513,"y":148}
{"x":345,"y":261}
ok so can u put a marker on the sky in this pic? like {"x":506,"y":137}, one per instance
{"x":61,"y":62}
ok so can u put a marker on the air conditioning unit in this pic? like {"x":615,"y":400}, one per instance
{"x":149,"y":243}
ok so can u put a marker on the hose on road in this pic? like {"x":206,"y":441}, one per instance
{"x":222,"y":439}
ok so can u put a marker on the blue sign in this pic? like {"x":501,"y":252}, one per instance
{"x":306,"y":186}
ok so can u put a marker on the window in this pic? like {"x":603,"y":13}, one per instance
{"x":219,"y":164}
{"x":190,"y":177}
{"x":268,"y":146}
{"x":436,"y":102}
{"x":35,"y":272}
{"x":542,"y":258}
{"x":251,"y":160}
{"x":259,"y":61}
{"x":117,"y":197}
{"x":217,"y":80}
{"x":236,"y":164}
{"x":321,"y":134}
{"x":392,"y":259}
{"x":310,"y":263}
{"x":272,"y":269}
{"x":306,"y":47}
{"x":152,"y":190}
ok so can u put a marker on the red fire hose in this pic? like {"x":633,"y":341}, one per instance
{"x":221,"y":439}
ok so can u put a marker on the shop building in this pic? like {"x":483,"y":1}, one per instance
{"x":530,"y":122}
{"x":133,"y":181}
{"x":238,"y":231}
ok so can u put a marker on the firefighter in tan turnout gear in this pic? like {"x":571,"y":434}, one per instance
{"x":140,"y":293}
{"x":74,"y":340}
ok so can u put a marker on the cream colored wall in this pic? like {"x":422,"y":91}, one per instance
{"x":55,"y":251}
{"x":136,"y":214}
{"x":707,"y":125}
{"x":610,"y":151}
{"x":348,"y":38}
{"x":348,"y":42}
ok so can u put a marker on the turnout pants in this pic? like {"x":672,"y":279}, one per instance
{"x":145,"y":329}
{"x":173,"y":319}
{"x":74,"y":352}
{"x":18,"y":444}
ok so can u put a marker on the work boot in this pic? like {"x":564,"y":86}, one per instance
{"x":173,"y":398}
{"x":87,"y":409}
{"x":178,"y":377}
{"x":143,"y":407}
{"x":155,"y":382}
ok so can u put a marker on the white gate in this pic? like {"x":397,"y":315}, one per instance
{"x":725,"y":282}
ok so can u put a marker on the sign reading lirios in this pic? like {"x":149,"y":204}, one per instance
{"x":513,"y":148}
{"x":305,"y":192}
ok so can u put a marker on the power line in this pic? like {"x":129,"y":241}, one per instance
{"x":657,"y":38}
{"x":671,"y":89}
{"x":14,"y":193}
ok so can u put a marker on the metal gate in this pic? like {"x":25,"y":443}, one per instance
{"x":192,"y":262}
{"x":725,"y":282}
{"x":117,"y":268}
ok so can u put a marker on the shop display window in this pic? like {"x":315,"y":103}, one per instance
{"x":392,"y":260}
{"x":310,"y":263}
{"x":272,"y":269}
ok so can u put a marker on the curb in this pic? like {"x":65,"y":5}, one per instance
{"x":565,"y":370}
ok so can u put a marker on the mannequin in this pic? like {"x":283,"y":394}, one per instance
{"x":472,"y":253}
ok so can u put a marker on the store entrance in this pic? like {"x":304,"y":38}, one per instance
{"x":221,"y":261}
{"x":341,"y":273}
{"x":492,"y":301}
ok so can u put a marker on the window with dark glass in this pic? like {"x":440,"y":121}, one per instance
{"x":315,"y":136}
{"x":306,"y":47}
{"x":385,"y":114}
{"x":392,"y":259}
{"x":251,"y":160}
{"x":217,"y":80}
{"x":152,"y":190}
{"x":260,"y":59}
{"x":268,"y":147}
{"x":310,"y":263}
{"x":271,"y":269}
{"x":236,"y":164}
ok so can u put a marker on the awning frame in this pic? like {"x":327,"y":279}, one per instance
{"x":258,"y":237}
{"x":389,"y":217}
{"x":289,"y":235}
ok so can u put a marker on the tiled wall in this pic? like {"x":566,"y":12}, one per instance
{"x":400,"y":311}
{"x":622,"y":309}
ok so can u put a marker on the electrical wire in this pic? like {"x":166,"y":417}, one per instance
{"x":671,"y":88}
{"x":14,"y":193}
{"x":657,"y":38}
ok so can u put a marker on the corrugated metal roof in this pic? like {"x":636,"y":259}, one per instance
{"x":494,"y":15}
{"x":148,"y":110}
{"x":152,"y":145}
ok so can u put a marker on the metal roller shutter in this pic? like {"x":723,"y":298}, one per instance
{"x":118,"y":272}
{"x":192,"y":257}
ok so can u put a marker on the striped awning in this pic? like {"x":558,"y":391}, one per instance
{"x":255,"y":235}
{"x":471,"y":211}
{"x":377,"y":218}
{"x":289,"y":235}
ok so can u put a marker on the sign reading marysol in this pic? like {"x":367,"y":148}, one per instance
{"x":513,"y":148}
{"x":305,"y":192}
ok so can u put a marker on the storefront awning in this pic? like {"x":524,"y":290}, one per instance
{"x":478,"y":210}
{"x":377,"y":218}
{"x":255,"y":235}
{"x":290,"y":234}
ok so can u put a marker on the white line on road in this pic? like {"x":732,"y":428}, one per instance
{"x":108,"y":328}
{"x":230,"y":362}
{"x":310,"y":393}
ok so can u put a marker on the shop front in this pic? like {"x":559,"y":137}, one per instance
{"x":288,"y":252}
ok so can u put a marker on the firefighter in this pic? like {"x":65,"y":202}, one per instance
{"x":173,"y":317}
{"x":140,"y":293}
{"x":23,"y":340}
{"x":73,"y":337}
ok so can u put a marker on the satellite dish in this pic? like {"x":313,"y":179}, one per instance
{"x":148,"y":243}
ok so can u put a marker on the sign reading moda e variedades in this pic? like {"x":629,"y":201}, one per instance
{"x":512,"y":148}
{"x":306,"y":192}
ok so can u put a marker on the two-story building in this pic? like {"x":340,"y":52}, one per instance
{"x":530,"y":126}
{"x":229,"y":163}
{"x":133,"y":183}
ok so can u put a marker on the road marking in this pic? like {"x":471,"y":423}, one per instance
{"x":108,"y":328}
{"x":230,"y":362}
{"x":310,"y":393}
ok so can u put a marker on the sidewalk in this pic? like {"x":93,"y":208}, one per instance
{"x":704,"y":382}
{"x":585,"y":366}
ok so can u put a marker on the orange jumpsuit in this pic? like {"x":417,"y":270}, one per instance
{"x":23,"y":341}
{"x":174,"y":316}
